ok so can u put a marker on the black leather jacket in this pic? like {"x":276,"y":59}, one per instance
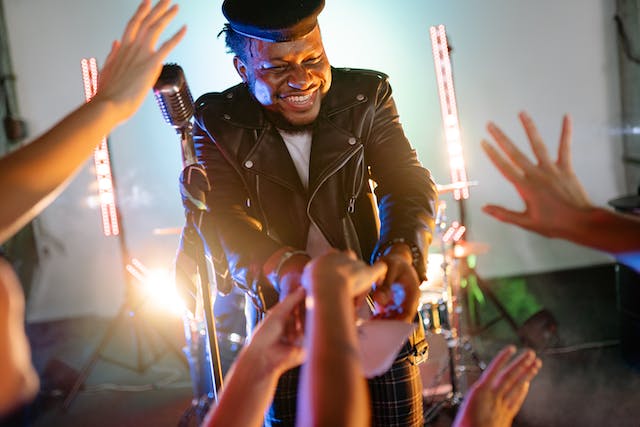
{"x":258,"y":205}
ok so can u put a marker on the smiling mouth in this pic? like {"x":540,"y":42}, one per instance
{"x":300,"y":100}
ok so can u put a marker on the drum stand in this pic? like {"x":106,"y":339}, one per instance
{"x":462,"y":358}
{"x":451,"y":317}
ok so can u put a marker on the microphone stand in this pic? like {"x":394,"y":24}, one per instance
{"x":192,"y":233}
{"x":176,"y":104}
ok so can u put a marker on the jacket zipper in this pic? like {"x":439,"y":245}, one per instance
{"x":324,"y":179}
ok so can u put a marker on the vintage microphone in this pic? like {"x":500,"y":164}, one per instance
{"x":176,"y":103}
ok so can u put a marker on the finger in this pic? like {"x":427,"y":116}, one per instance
{"x":286,"y":306}
{"x":506,"y":168}
{"x":297,"y":357}
{"x":535,"y":140}
{"x":516,"y":396}
{"x":382,"y":289}
{"x":155,"y":14}
{"x":516,"y":156}
{"x":517,"y":399}
{"x":368,"y":276}
{"x":351,"y":254}
{"x":506,"y":215}
{"x":111,"y":62}
{"x":523,"y":374}
{"x":564,"y":148}
{"x":155,"y":30}
{"x":497,"y":363}
{"x":293,"y":327}
{"x":514,"y":372}
{"x":115,"y":46}
{"x":131,"y":29}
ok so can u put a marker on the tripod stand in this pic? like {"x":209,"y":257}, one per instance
{"x":142,"y":330}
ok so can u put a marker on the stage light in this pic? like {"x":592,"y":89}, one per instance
{"x":159,"y":286}
{"x":449,"y":111}
{"x":101,"y":158}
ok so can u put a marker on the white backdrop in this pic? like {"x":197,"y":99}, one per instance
{"x":549,"y":57}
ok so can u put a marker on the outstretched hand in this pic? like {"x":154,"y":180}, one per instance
{"x":134,"y":63}
{"x":270,"y":344}
{"x":341,"y":269}
{"x":550,"y":189}
{"x":495,"y":399}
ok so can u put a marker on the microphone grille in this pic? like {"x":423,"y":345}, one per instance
{"x":173,"y":96}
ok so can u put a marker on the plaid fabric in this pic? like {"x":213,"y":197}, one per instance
{"x":283,"y":408}
{"x":396,"y":396}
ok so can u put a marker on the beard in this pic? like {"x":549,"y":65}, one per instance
{"x":281,"y":122}
{"x":277,"y":118}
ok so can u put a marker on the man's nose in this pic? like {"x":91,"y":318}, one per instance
{"x":299,"y":78}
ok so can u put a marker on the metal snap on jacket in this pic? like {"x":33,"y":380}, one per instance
{"x":352,"y":141}
{"x":248,"y":164}
{"x":226,"y":117}
{"x":360,"y":97}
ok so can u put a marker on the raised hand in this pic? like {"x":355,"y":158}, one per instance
{"x":134,"y":63}
{"x":550,"y":189}
{"x":556,"y":204}
{"x":495,"y":399}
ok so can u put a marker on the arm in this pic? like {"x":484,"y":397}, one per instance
{"x":495,"y":399}
{"x":252,"y":380}
{"x":556,"y":204}
{"x":406,"y":202}
{"x":256,"y":261}
{"x":333,"y":390}
{"x":129,"y":72}
{"x":19,"y":382}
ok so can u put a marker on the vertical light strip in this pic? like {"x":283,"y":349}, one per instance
{"x":449,"y":109}
{"x":101,"y":158}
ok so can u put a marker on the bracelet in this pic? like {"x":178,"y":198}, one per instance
{"x":416,"y":254}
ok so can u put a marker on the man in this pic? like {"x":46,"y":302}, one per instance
{"x":290,"y":153}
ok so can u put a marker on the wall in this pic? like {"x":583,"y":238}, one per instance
{"x":507,"y":56}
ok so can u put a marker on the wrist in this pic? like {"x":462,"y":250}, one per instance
{"x":106,"y":108}
{"x":283,"y":262}
{"x":401,"y":249}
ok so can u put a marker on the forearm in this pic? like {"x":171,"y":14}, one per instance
{"x":406,"y":193}
{"x":34,"y":174}
{"x":333,"y":390}
{"x":247,"y":392}
{"x":604,"y":229}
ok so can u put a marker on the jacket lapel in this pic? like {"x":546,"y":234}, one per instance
{"x":270,"y":158}
{"x":331,"y":147}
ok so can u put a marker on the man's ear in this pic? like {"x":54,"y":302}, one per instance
{"x":241,"y":68}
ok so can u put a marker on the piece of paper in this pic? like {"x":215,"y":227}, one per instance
{"x":380,"y":341}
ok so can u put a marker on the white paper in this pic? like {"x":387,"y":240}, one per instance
{"x":380,"y":341}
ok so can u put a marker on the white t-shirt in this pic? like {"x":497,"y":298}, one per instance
{"x":299,"y":146}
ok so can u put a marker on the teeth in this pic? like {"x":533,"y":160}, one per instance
{"x":299,"y":99}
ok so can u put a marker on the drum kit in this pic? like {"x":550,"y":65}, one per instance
{"x":452,"y":365}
